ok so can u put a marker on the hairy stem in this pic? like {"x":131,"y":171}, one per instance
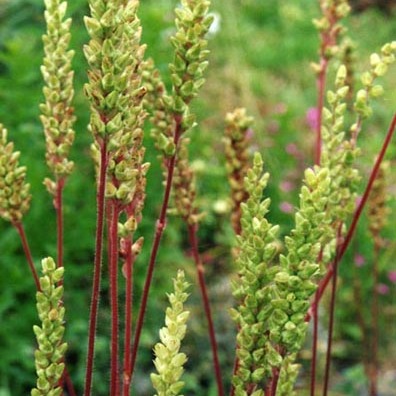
{"x":93,"y":315}
{"x":314,"y":344}
{"x":234,"y":371}
{"x":58,"y":203}
{"x":160,"y":226}
{"x":113,"y":276}
{"x":192,"y":232}
{"x":373,"y":371}
{"x":274,"y":381}
{"x":128,"y":265}
{"x":21,"y":231}
{"x":332,"y":314}
{"x":321,"y":84}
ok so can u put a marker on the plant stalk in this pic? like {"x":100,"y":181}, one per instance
{"x":321,"y":84}
{"x":373,"y":369}
{"x":26,"y":248}
{"x":160,"y":226}
{"x":128,"y":265}
{"x":192,"y":232}
{"x":332,"y":314}
{"x":58,"y":203}
{"x":314,"y":344}
{"x":93,"y":315}
{"x":113,"y":276}
{"x":325,"y":281}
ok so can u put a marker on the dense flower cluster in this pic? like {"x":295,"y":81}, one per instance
{"x":51,"y":349}
{"x":57,"y":111}
{"x":252,"y":290}
{"x":116,"y":93}
{"x":14,"y":191}
{"x":168,"y":360}
{"x":236,"y":141}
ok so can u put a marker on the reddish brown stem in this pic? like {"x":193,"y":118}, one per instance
{"x":69,"y":384}
{"x":351,"y":230}
{"x":160,"y":226}
{"x":332,"y":314}
{"x":113,"y":276}
{"x":234,"y":372}
{"x":28,"y":254}
{"x":274,"y":381}
{"x":192,"y":232}
{"x":128,"y":265}
{"x":314,"y":344}
{"x":93,"y":315}
{"x":58,"y":203}
{"x":321,"y":84}
{"x":374,"y":323}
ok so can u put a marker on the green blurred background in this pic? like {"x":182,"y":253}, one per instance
{"x":260,"y":56}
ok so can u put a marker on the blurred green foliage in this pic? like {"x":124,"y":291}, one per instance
{"x":260,"y":55}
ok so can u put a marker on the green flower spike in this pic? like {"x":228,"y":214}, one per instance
{"x":14,"y":191}
{"x":116,"y":93}
{"x":160,"y":117}
{"x":339,"y":153}
{"x":330,"y":28}
{"x":252,"y":289}
{"x":169,"y":361}
{"x":236,"y":141}
{"x":51,"y":348}
{"x":170,"y":112}
{"x":114,"y":55}
{"x":379,"y":64}
{"x":378,"y":211}
{"x":190,"y":62}
{"x":57,"y":112}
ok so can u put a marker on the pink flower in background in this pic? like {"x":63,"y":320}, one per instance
{"x":292,"y":149}
{"x":359,"y":260}
{"x":382,"y":288}
{"x":312,"y":118}
{"x":287,"y":186}
{"x":392,"y":276}
{"x":286,"y":207}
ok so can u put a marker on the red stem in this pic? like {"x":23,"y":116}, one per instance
{"x":332,"y":313}
{"x":321,"y":83}
{"x":192,"y":232}
{"x":314,"y":344}
{"x":58,"y":203}
{"x":325,"y":281}
{"x":128,"y":318}
{"x":160,"y":226}
{"x":374,"y":323}
{"x":274,"y":381}
{"x":21,"y":231}
{"x":93,"y":315}
{"x":234,"y":372}
{"x":113,"y":275}
{"x":69,"y":384}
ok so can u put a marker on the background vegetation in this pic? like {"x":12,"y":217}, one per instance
{"x":260,"y":55}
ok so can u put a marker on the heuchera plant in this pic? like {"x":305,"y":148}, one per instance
{"x":277,"y":290}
